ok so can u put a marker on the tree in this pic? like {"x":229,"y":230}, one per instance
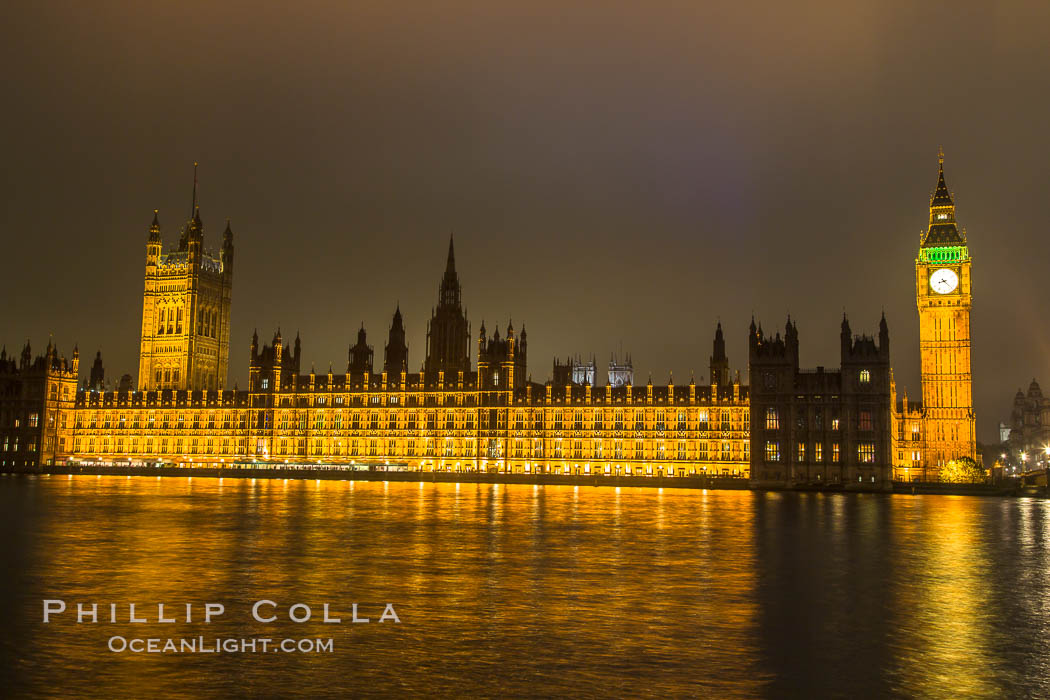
{"x":962,"y":471}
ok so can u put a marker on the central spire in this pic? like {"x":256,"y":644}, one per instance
{"x":943,"y":230}
{"x":448,"y":333}
{"x":449,"y":293}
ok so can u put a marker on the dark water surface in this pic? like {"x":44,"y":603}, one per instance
{"x":522,"y":590}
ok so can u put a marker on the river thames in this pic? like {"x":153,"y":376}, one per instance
{"x":512,"y":590}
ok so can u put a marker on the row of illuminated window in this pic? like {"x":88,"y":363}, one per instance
{"x":169,"y":321}
{"x":815,"y":452}
{"x":14,"y":443}
{"x":722,"y":451}
{"x":817,"y":420}
{"x":19,"y":419}
{"x":158,"y":446}
{"x":167,"y":377}
{"x":914,"y":432}
{"x":912,"y":456}
{"x":945,"y":254}
{"x":409,"y":420}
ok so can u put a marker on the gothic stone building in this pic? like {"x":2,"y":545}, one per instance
{"x":186,"y":309}
{"x":36,"y":407}
{"x":820,"y":427}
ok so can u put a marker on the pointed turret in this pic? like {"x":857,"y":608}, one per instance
{"x":396,"y":351}
{"x":360,"y":355}
{"x":153,"y":245}
{"x":719,"y":360}
{"x":884,"y":335}
{"x":227,"y":248}
{"x":845,"y":336}
{"x":791,"y":339}
{"x":98,"y":374}
{"x":154,"y":228}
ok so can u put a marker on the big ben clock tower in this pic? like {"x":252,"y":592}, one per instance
{"x":944,"y":295}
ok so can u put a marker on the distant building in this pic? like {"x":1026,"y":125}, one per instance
{"x":1029,"y":429}
{"x":621,"y":373}
{"x":575,"y":370}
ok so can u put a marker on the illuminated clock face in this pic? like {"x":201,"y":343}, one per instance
{"x":944,"y":281}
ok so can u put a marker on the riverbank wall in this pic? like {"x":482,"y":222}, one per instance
{"x":677,"y":482}
{"x":680,"y":482}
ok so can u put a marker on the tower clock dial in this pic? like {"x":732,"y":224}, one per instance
{"x":944,"y":281}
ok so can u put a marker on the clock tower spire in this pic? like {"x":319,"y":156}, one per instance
{"x":944,"y":296}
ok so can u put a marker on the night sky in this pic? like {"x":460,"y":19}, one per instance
{"x":616,"y":174}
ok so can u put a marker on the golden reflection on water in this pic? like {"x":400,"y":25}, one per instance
{"x":941,"y":626}
{"x":523,"y":590}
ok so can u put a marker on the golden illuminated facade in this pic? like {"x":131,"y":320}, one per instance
{"x":929,"y":435}
{"x":449,"y":417}
{"x":402,"y":422}
{"x":186,"y":310}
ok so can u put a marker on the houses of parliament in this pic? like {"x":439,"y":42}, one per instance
{"x":471,"y":406}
